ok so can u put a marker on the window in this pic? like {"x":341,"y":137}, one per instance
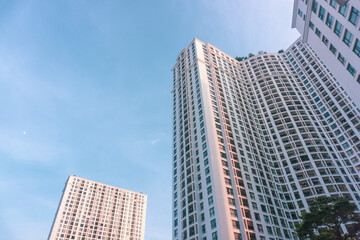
{"x":311,"y":25}
{"x":235,"y":224}
{"x":212,"y":212}
{"x":351,"y":69}
{"x":267,"y":219}
{"x":317,"y":32}
{"x":329,"y":20}
{"x":209,"y":190}
{"x":325,"y":40}
{"x":332,"y":49}
{"x":357,"y":47}
{"x":347,"y":37}
{"x":208,"y":180}
{"x":203,"y":228}
{"x":300,"y":12}
{"x":338,"y":28}
{"x":342,"y":9}
{"x":314,"y":6}
{"x":260,"y":228}
{"x":231,"y":201}
{"x":252,"y":195}
{"x":214,"y":236}
{"x":333,"y":3}
{"x":354,"y":16}
{"x":213,"y":223}
{"x":341,"y":58}
{"x":346,"y":145}
{"x":321,"y":13}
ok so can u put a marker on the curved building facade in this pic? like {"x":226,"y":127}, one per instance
{"x":255,"y":141}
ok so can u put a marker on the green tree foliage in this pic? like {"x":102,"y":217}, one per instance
{"x":324,"y":220}
{"x":249,"y":56}
{"x":241,"y":58}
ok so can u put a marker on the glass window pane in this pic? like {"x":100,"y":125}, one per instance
{"x":354,"y":16}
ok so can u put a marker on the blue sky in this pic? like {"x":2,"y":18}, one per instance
{"x":85,"y":89}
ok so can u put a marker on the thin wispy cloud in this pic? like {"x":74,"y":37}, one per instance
{"x":155,"y":141}
{"x":25,"y":148}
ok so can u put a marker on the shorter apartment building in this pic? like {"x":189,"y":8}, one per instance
{"x":93,"y":210}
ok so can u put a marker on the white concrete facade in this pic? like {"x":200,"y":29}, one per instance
{"x":331,"y":28}
{"x":255,"y":141}
{"x":93,"y":210}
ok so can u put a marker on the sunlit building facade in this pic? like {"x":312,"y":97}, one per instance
{"x":93,"y":210}
{"x":255,"y":141}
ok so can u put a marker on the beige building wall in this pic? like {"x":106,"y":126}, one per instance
{"x":93,"y":210}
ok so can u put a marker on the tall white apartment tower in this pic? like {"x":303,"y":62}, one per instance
{"x":255,"y":141}
{"x":331,"y":29}
{"x":93,"y":210}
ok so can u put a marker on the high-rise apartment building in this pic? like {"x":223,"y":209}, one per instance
{"x":331,"y":29}
{"x":93,"y":210}
{"x":255,"y":141}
